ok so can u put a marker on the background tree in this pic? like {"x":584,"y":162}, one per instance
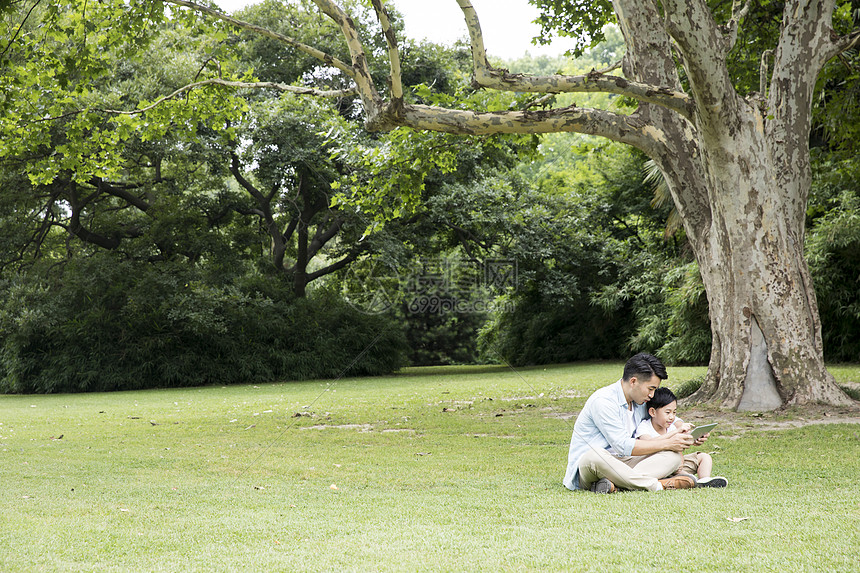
{"x":161,"y":249}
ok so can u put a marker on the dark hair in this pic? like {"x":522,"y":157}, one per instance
{"x":662,"y":397}
{"x":644,"y":366}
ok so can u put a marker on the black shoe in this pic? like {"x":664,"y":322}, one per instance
{"x":603,"y":485}
{"x":715,"y":481}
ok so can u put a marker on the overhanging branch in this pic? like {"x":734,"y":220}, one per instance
{"x":623,"y":128}
{"x":238,"y":85}
{"x":299,"y":90}
{"x":488,"y":77}
{"x":360,"y":70}
{"x":592,"y":82}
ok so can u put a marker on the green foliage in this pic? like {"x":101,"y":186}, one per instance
{"x":583,"y":20}
{"x":669,"y":307}
{"x":67,"y":113}
{"x":541,"y":331}
{"x":442,"y":338}
{"x":688,"y":387}
{"x":833,"y":252}
{"x":108,"y":325}
{"x":597,"y":278}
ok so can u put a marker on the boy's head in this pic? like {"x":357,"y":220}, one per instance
{"x":662,"y":408}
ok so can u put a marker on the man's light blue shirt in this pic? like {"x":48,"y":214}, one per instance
{"x":602,"y":425}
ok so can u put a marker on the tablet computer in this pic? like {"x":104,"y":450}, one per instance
{"x":700,"y":431}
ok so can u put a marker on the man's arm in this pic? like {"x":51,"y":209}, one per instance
{"x":673,"y":441}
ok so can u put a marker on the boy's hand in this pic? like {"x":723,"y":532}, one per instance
{"x":685,"y":427}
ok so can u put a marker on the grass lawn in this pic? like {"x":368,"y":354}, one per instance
{"x":434,"y":469}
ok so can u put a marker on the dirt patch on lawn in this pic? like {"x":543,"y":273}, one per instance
{"x":359,"y":427}
{"x":743,"y":422}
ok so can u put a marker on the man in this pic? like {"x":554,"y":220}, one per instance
{"x":603,"y":454}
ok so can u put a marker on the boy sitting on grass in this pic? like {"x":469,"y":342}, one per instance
{"x":662,"y":409}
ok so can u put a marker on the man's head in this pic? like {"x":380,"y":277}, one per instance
{"x":642,"y":375}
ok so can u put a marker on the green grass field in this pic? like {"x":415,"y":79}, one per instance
{"x":445,"y":469}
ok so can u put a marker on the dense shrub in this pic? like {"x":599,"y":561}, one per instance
{"x":108,"y":325}
{"x":536,"y":331}
{"x":833,"y":251}
{"x":440,"y":338}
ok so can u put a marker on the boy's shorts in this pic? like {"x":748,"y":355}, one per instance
{"x":690,"y":464}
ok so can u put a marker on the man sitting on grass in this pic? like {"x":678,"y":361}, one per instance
{"x":603,"y":453}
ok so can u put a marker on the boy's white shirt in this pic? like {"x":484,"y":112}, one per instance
{"x":646,"y":428}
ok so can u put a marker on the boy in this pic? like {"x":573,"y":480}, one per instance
{"x":662,"y":408}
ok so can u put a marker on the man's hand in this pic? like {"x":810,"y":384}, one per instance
{"x":672,"y":442}
{"x":702,"y":439}
{"x":678,"y":441}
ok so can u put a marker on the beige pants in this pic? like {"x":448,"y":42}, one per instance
{"x":629,"y":472}
{"x":691,"y":464}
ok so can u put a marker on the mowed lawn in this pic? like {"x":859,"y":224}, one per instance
{"x":433,"y":469}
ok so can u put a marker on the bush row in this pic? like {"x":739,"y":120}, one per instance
{"x":107,"y":325}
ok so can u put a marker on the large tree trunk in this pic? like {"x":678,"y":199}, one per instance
{"x":741,"y":189}
{"x":767,"y":350}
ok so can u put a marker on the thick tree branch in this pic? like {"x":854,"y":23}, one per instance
{"x":123,"y":194}
{"x":76,"y":227}
{"x":691,"y":24}
{"x":799,"y":57}
{"x":291,"y":228}
{"x":264,"y":211}
{"x":236,"y":170}
{"x":592,"y":82}
{"x":360,"y":70}
{"x":486,"y":76}
{"x":324,"y":235}
{"x":626,"y":129}
{"x":336,"y":266}
{"x":393,"y":54}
